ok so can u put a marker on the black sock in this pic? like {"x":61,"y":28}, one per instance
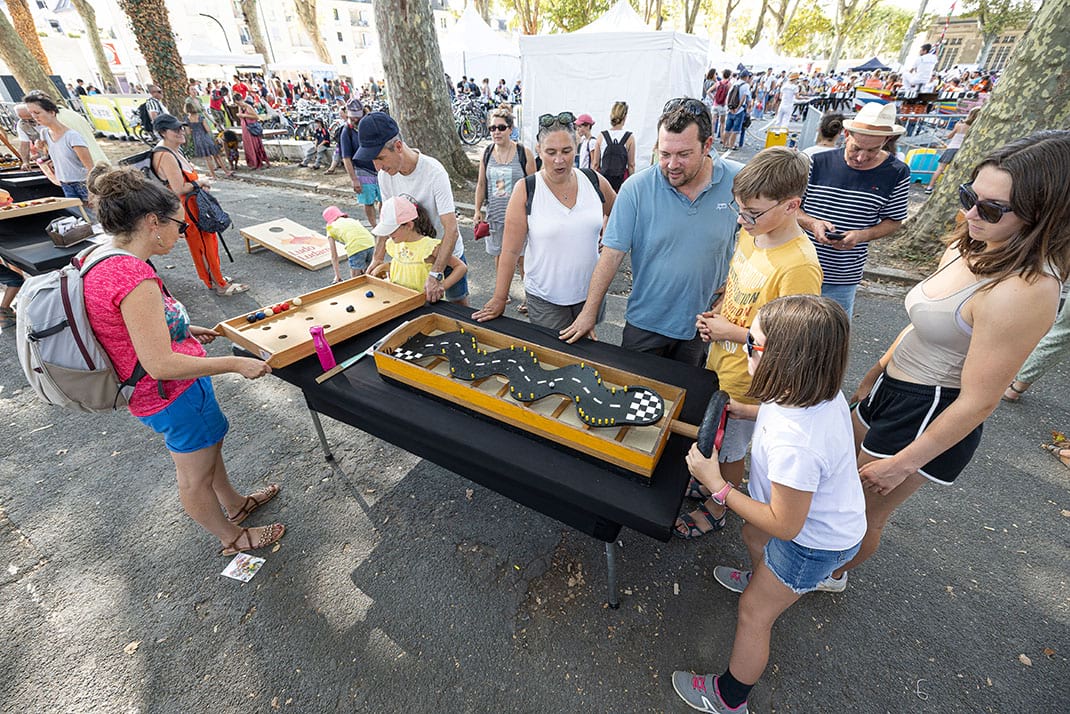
{"x":733,"y":691}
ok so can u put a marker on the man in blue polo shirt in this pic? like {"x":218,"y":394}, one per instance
{"x":676,"y":220}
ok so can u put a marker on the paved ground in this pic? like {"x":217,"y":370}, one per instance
{"x":402,"y":587}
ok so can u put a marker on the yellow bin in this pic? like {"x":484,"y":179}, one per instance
{"x":775,"y":137}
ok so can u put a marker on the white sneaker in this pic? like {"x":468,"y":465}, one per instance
{"x":833,"y":585}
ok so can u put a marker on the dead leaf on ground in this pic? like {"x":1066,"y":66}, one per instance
{"x":468,"y":493}
{"x":276,"y":548}
{"x":274,"y":702}
{"x":1049,"y":652}
{"x":132,"y":647}
{"x":1025,"y":660}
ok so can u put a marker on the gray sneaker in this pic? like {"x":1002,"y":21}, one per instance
{"x":734,"y":580}
{"x":833,"y":585}
{"x":700,"y":692}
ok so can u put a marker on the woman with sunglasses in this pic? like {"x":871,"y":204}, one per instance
{"x":144,"y":329}
{"x":174,"y":169}
{"x":504,"y":163}
{"x":972,"y":325}
{"x":558,"y":228}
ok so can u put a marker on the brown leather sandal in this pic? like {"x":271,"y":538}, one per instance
{"x":270,"y":534}
{"x":252,"y":502}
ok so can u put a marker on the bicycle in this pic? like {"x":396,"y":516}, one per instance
{"x":470,"y":117}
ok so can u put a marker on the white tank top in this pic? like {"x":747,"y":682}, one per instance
{"x":562,"y":243}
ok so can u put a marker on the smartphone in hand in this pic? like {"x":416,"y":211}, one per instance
{"x":835,"y":235}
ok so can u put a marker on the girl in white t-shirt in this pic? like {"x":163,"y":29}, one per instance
{"x":805,"y":515}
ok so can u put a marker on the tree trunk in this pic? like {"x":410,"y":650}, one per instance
{"x":89,"y":19}
{"x":691,"y":14}
{"x":911,"y":32}
{"x":1032,"y":94}
{"x":986,"y":49}
{"x":22,"y":19}
{"x":27,"y":71}
{"x":837,"y":50}
{"x":483,"y":8}
{"x":418,"y":97}
{"x":527,"y":12}
{"x":156,"y":40}
{"x":659,"y":15}
{"x":252,"y":23}
{"x":306,"y":12}
{"x":760,"y":24}
{"x":729,"y":6}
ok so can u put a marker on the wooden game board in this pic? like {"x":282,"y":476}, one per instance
{"x":283,"y":339}
{"x":555,"y":417}
{"x":291,"y":240}
{"x":39,"y":205}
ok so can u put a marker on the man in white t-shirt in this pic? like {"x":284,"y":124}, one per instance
{"x":789,"y":90}
{"x":920,"y":75}
{"x":405,"y":171}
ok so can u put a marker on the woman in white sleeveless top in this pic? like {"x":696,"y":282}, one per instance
{"x":561,"y":235}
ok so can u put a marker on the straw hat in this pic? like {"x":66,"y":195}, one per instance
{"x":875,"y":120}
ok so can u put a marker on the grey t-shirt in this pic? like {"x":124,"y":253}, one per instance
{"x":67,"y":165}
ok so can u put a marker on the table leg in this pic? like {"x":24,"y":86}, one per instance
{"x":611,"y":573}
{"x":323,"y":437}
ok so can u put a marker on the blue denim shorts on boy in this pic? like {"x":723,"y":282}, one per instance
{"x":369,"y":194}
{"x":800,"y":568}
{"x":737,"y":437}
{"x":734,"y":122}
{"x":191,"y":422}
{"x":361,"y":260}
{"x":460,"y":290}
{"x":897,"y":412}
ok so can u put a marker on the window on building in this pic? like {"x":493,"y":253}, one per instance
{"x":345,"y":60}
{"x":948,"y":57}
{"x":364,"y":40}
{"x":339,"y":34}
{"x":56,"y":26}
{"x":442,"y":22}
{"x":998,"y":60}
{"x":336,"y":14}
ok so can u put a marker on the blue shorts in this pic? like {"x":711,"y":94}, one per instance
{"x":369,"y":194}
{"x":801,"y":568}
{"x":460,"y":290}
{"x":360,"y":261}
{"x":191,"y":422}
{"x":734,"y":122}
{"x":9,"y":278}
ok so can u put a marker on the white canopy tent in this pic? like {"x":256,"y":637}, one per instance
{"x":368,"y":64}
{"x":472,"y":49}
{"x":587,"y":71}
{"x":763,"y":56}
{"x":305,"y":66}
{"x":200,"y":52}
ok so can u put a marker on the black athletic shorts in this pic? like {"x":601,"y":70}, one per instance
{"x":896,"y":413}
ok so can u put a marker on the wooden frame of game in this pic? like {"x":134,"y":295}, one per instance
{"x":555,"y":417}
{"x":283,"y":338}
{"x":40,"y":205}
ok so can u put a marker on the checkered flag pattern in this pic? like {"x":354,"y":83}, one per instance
{"x":407,"y":355}
{"x":645,"y":408}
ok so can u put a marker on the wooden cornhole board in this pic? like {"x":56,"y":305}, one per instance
{"x":291,"y":240}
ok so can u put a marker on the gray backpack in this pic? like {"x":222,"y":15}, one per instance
{"x":60,"y":355}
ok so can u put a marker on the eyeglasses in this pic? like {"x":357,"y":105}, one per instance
{"x":691,"y":106}
{"x":989,"y":211}
{"x":182,"y":225}
{"x":752,"y":346}
{"x":566,"y":118}
{"x":751,"y":218}
{"x":498,"y":127}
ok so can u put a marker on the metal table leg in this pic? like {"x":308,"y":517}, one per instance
{"x":611,"y":573}
{"x":323,"y":438}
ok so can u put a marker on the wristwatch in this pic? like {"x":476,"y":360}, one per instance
{"x":720,"y":497}
{"x":437,"y":276}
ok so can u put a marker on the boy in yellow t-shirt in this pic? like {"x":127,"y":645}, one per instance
{"x":350,"y":232}
{"x":773,"y":258}
{"x":413,"y":247}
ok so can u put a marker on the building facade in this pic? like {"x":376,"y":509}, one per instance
{"x":963,"y":44}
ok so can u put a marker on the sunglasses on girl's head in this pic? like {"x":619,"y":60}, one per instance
{"x":566,"y":118}
{"x":692,"y":106}
{"x":753,"y":346}
{"x":498,"y":127}
{"x":989,"y":211}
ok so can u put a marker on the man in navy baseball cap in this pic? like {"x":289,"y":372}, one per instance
{"x":375,"y":131}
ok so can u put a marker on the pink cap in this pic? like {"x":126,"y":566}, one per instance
{"x":585,"y":119}
{"x":332,"y":214}
{"x":395,"y":211}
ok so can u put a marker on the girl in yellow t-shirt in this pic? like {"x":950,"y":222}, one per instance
{"x":412,"y":246}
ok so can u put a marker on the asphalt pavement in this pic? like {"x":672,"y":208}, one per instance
{"x":401,"y":587}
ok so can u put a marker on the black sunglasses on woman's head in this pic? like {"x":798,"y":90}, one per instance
{"x":566,"y":118}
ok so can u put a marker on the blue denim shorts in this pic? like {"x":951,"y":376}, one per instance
{"x":191,"y":422}
{"x":801,"y":568}
{"x":734,"y":122}
{"x":361,"y":260}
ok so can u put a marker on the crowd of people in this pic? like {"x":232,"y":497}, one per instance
{"x":764,"y":260}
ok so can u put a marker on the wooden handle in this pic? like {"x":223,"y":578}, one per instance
{"x":683,"y":429}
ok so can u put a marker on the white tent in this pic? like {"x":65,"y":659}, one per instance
{"x":472,"y":49}
{"x":622,"y":17}
{"x":763,"y":56}
{"x":586,"y":72}
{"x":368,"y":64}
